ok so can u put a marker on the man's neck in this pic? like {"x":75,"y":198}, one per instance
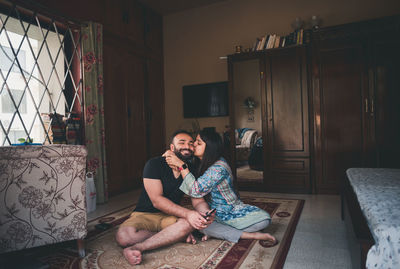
{"x":177,"y":174}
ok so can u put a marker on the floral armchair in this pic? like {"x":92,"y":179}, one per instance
{"x":42,"y":193}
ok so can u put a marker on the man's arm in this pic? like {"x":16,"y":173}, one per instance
{"x":155,"y":191}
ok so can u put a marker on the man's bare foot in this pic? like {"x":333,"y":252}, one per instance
{"x":133,"y":256}
{"x":190,"y":239}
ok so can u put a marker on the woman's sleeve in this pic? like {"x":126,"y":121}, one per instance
{"x":205,"y":183}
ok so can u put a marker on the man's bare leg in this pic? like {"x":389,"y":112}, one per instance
{"x":127,"y":236}
{"x":169,"y":235}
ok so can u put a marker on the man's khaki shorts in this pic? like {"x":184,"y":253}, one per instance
{"x":153,"y":222}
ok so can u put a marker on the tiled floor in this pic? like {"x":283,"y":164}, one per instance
{"x":319,"y":241}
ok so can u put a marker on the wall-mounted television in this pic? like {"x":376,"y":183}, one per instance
{"x":206,"y":100}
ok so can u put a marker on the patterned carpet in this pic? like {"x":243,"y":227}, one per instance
{"x":103,"y":252}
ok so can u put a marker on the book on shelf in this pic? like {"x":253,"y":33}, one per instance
{"x":281,"y":41}
{"x":262,"y":43}
{"x":277,"y":40}
{"x":301,"y":36}
{"x":256,"y":44}
{"x":271,"y":41}
{"x":266,"y":41}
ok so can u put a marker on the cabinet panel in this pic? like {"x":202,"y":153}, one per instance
{"x":284,"y":182}
{"x":134,"y":21}
{"x":287,"y":98}
{"x":136,"y":126}
{"x":113,"y":18}
{"x":125,"y":18}
{"x":156,"y":110}
{"x":153,"y":31}
{"x":291,"y":165}
{"x":387,"y":102}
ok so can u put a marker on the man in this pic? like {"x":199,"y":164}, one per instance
{"x":158,"y":219}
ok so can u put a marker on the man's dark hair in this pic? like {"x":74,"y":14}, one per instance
{"x":213,"y":150}
{"x":181,"y":131}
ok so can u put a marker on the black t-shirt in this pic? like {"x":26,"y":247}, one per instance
{"x":157,"y":169}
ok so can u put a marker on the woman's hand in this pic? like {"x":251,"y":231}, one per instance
{"x":209,"y":218}
{"x":172,"y":160}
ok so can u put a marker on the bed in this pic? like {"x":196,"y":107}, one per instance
{"x":377,"y":191}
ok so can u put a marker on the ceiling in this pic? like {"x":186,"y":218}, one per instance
{"x":165,"y":7}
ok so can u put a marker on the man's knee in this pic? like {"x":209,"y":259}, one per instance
{"x":124,"y":234}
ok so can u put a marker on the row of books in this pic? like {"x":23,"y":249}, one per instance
{"x":270,"y":41}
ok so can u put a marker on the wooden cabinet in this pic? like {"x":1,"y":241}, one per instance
{"x":285,"y":117}
{"x":329,"y":106}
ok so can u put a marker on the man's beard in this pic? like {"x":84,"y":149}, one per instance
{"x":185,"y":158}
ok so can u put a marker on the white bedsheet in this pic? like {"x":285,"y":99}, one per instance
{"x":378,"y":193}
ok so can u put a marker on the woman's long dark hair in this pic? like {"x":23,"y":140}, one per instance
{"x":213,"y":150}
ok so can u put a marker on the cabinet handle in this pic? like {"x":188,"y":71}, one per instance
{"x":372,"y":106}
{"x":366,"y":105}
{"x":270,"y":112}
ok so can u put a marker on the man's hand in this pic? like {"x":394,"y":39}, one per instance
{"x":196,"y":220}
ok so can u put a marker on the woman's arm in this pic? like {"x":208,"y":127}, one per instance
{"x":196,"y":187}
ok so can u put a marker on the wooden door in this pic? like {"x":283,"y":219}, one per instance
{"x":124,"y":120}
{"x":340,"y":91}
{"x":385,"y":102}
{"x":136,"y":144}
{"x":287,"y":146}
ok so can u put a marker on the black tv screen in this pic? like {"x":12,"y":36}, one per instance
{"x":205,"y":100}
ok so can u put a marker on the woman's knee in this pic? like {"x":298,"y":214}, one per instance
{"x":258,"y":226}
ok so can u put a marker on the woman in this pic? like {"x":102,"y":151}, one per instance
{"x":214,"y":181}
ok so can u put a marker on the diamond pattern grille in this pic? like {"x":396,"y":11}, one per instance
{"x":40,"y":73}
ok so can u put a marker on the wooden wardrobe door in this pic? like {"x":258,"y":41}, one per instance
{"x":124,"y":116}
{"x":155,"y":107}
{"x":339,"y":93}
{"x":287,"y":148}
{"x":386,"y":106}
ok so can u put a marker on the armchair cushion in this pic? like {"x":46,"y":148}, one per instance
{"x":42,"y":193}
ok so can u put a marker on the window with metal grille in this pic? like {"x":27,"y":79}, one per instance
{"x":40,"y":75}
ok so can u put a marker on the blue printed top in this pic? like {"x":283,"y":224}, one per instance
{"x":217,"y":182}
